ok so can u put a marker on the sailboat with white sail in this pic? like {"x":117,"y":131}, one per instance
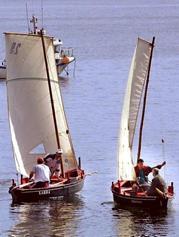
{"x":37,"y":118}
{"x":135,"y":104}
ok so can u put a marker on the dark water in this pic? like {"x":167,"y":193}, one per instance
{"x":103,"y":34}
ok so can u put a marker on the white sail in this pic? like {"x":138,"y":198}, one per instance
{"x":30,"y":112}
{"x":136,"y":80}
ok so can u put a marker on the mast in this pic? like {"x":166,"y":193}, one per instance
{"x":51,"y":97}
{"x":144,"y":101}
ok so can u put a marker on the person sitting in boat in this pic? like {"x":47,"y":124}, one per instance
{"x":53,"y":161}
{"x":49,"y":160}
{"x":143,"y":171}
{"x":41,"y":174}
{"x":158,"y":185}
{"x":57,"y":168}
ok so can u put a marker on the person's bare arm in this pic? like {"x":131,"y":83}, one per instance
{"x":159,"y":166}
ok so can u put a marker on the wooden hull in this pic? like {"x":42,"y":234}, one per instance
{"x":56,"y":191}
{"x":124,"y":197}
{"x":144,"y":202}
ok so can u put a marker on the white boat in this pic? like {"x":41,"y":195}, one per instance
{"x":136,"y":92}
{"x":63,"y":55}
{"x":36,"y":116}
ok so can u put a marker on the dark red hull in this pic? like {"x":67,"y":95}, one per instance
{"x":144,"y":202}
{"x":56,"y":191}
{"x":124,"y":197}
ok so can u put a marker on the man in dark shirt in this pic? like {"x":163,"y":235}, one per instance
{"x":158,"y":184}
{"x":143,"y":171}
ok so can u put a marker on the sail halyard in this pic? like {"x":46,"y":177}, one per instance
{"x":144,"y":101}
{"x":132,"y":99}
{"x":30,"y":116}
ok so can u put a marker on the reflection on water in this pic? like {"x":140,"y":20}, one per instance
{"x":135,"y":222}
{"x":47,"y":218}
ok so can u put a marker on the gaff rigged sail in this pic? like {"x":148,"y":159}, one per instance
{"x":29,"y":105}
{"x":133,"y":94}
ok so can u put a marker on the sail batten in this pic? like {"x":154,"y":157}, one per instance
{"x":29,"y":105}
{"x":133,"y":94}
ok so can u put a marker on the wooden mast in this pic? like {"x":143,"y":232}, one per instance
{"x":51,"y":98}
{"x":144,"y":102}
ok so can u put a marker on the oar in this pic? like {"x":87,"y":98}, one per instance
{"x":26,"y":184}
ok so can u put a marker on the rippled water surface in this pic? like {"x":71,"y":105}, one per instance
{"x":103,"y":35}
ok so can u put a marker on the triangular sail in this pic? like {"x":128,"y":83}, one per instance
{"x":30,"y":112}
{"x":136,"y":80}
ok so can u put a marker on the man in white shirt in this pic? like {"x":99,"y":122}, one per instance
{"x":41,"y":174}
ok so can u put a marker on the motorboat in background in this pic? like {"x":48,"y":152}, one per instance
{"x":63,"y":55}
{"x":37,"y":118}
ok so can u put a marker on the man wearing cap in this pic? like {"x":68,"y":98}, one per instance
{"x":41,"y":174}
{"x":143,"y":171}
{"x":158,"y":185}
{"x":50,"y":161}
{"x":53,"y":161}
{"x":58,"y":160}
